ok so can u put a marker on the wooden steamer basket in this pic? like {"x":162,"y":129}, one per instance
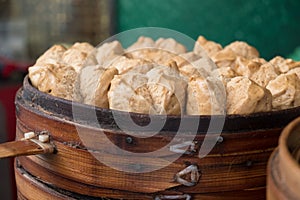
{"x":284,"y":165}
{"x":234,"y":169}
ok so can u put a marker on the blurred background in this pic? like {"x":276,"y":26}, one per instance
{"x":29,"y":27}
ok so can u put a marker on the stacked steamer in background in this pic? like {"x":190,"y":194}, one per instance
{"x":283,"y":167}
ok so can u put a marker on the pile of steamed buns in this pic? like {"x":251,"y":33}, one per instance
{"x":161,"y":77}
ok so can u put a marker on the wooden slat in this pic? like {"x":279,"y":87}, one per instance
{"x":236,"y":166}
{"x":23,"y":148}
{"x":28,"y":186}
{"x":224,"y":169}
{"x":223,"y":173}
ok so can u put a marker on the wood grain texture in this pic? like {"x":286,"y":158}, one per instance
{"x":283,"y":172}
{"x":30,"y":188}
{"x":23,"y":148}
{"x":234,"y":169}
{"x":222,"y":170}
{"x":46,"y":191}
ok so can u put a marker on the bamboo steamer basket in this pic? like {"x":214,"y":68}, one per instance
{"x":234,"y":169}
{"x":283,"y":167}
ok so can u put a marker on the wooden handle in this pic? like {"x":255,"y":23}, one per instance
{"x":24,"y":148}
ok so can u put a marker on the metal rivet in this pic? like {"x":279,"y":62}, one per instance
{"x":137,"y":167}
{"x":17,"y":109}
{"x":129,"y":140}
{"x":220,"y":139}
{"x":249,"y":163}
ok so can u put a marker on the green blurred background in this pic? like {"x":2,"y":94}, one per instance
{"x":28,"y":28}
{"x":272,"y":26}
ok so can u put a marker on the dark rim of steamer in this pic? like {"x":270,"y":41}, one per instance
{"x":55,"y":106}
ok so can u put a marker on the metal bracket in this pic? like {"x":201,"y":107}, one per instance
{"x":194,"y":176}
{"x":184,"y":196}
{"x":178,"y":148}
